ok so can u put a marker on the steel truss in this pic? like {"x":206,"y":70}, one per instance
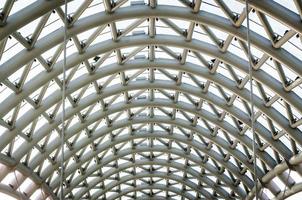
{"x":151,"y":114}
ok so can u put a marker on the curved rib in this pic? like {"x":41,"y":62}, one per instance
{"x":158,"y":162}
{"x":158,"y":148}
{"x":154,"y":186}
{"x":27,"y":15}
{"x":162,"y":11}
{"x":119,"y":89}
{"x":221,"y":103}
{"x":178,"y":179}
{"x":292,"y":98}
{"x":12,"y":192}
{"x":157,"y":103}
{"x":124,"y":123}
{"x":26,"y":171}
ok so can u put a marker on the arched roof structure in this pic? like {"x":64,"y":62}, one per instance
{"x":157,"y":99}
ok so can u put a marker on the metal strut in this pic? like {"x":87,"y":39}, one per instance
{"x":63,"y":105}
{"x":251,"y":97}
{"x":18,"y":185}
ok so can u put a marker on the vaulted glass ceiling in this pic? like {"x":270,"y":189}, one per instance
{"x":157,"y":99}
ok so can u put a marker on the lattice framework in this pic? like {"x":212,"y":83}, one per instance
{"x":157,"y":98}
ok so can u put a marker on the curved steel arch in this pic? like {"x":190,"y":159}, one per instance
{"x":191,"y":68}
{"x":194,"y":91}
{"x":284,"y":123}
{"x":163,"y":40}
{"x":179,"y":179}
{"x":12,"y":192}
{"x":27,"y":15}
{"x":290,"y":191}
{"x":151,"y":135}
{"x":109,"y":45}
{"x":41,"y":7}
{"x":179,"y":106}
{"x":68,"y":136}
{"x":159,"y":120}
{"x":273,"y":9}
{"x":119,"y":90}
{"x":161,"y":162}
{"x":154,"y":186}
{"x":190,"y":12}
{"x":175,"y":151}
{"x":293,"y":99}
{"x":276,"y":171}
{"x":144,"y":11}
{"x":200,"y":147}
{"x":12,"y":164}
{"x":154,"y":197}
